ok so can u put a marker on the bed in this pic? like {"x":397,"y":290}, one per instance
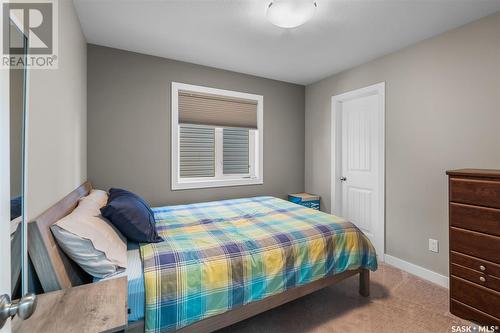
{"x":220,"y":262}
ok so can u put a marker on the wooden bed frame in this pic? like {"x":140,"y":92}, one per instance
{"x":56,"y":271}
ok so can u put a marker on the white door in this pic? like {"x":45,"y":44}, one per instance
{"x":361,"y":175}
{"x":5,"y":283}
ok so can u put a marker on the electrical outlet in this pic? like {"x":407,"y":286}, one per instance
{"x":433,"y":245}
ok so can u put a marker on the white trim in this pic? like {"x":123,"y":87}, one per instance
{"x":219,"y":153}
{"x":252,"y":151}
{"x":336,"y":153}
{"x":419,"y":271}
{"x":176,"y":182}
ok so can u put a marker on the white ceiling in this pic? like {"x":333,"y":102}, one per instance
{"x":235,"y":35}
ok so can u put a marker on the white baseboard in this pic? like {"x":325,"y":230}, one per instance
{"x":419,"y":271}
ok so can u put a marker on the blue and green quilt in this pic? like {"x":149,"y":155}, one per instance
{"x":220,"y":255}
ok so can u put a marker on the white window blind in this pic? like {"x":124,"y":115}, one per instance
{"x":236,"y":151}
{"x":216,"y":110}
{"x":197,"y":151}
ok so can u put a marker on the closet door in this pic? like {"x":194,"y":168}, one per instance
{"x":5,"y":284}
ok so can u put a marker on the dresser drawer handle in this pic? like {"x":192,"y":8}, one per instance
{"x":482,"y":279}
{"x":481,"y":267}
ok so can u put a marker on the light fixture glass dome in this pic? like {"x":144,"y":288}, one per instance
{"x":290,"y":13}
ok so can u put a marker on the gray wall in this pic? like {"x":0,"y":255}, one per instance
{"x":442,"y":112}
{"x":57,"y":104}
{"x":129,"y":126}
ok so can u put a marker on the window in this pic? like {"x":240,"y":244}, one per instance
{"x":216,"y":137}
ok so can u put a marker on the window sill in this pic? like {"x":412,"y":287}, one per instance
{"x":197,"y":184}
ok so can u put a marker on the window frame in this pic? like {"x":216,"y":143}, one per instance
{"x":178,"y":183}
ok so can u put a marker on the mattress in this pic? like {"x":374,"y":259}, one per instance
{"x":135,"y":277}
{"x":220,"y":255}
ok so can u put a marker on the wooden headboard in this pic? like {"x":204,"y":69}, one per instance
{"x":54,"y":269}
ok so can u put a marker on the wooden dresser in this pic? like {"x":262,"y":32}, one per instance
{"x":474,"y":210}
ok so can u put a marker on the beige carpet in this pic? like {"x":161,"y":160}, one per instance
{"x":399,"y":302}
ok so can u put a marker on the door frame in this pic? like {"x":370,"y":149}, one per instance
{"x":336,"y":155}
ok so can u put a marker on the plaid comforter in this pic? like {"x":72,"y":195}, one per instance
{"x":220,"y":255}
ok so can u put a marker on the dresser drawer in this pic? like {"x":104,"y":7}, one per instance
{"x":476,"y":264}
{"x":469,"y":313}
{"x":476,"y":218}
{"x":480,"y":278}
{"x":474,"y":295}
{"x":475,"y":192}
{"x":475,"y":244}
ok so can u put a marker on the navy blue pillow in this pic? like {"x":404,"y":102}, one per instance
{"x":131,"y":215}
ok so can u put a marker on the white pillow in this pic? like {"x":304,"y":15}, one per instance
{"x":90,"y":240}
{"x":93,"y":202}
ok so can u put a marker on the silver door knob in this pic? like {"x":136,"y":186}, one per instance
{"x":343,"y":179}
{"x":481,"y":267}
{"x":23,"y":307}
{"x":482,"y":279}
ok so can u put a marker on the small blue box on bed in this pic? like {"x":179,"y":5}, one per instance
{"x":305,"y":199}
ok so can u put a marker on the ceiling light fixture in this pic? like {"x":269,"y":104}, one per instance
{"x":290,"y":13}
